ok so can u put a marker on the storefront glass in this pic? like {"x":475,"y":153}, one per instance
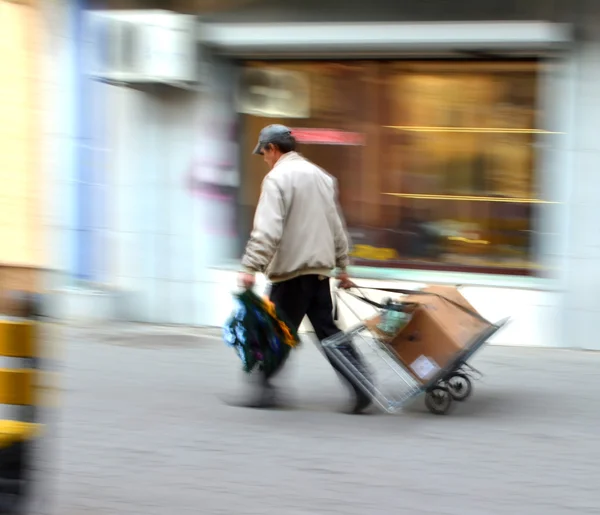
{"x":435,"y":160}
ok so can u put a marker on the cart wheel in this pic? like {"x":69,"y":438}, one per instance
{"x":438,"y":400}
{"x":460,"y":387}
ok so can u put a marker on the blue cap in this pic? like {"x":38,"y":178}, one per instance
{"x":270,"y":134}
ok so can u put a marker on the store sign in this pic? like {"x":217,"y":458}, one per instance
{"x":272,"y":93}
{"x":328,"y":137}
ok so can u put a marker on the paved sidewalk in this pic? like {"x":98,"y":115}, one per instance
{"x":144,"y":430}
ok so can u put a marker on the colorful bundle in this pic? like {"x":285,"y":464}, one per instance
{"x":259,"y":334}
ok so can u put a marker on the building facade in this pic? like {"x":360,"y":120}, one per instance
{"x":462,"y":136}
{"x":21,"y":215}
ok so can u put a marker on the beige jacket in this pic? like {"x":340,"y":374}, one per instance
{"x":298,"y":227}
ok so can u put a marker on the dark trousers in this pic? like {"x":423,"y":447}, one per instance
{"x":310,"y":295}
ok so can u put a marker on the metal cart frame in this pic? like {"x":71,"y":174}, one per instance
{"x":451,"y":383}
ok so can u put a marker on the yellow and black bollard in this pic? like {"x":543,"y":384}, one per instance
{"x":19,"y":424}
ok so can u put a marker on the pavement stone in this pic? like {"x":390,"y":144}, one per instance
{"x":143,"y":429}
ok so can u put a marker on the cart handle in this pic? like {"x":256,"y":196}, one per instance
{"x":362,"y":297}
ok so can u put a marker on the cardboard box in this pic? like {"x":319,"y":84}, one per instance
{"x":460,"y":325}
{"x":423,"y":346}
{"x":438,"y":331}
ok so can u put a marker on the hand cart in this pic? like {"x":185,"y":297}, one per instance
{"x":395,"y":384}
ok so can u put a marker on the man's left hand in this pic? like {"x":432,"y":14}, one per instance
{"x":344,"y":281}
{"x":246,"y":280}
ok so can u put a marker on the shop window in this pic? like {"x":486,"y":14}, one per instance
{"x":437,"y":169}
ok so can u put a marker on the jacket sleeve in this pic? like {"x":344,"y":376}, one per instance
{"x":268,"y":228}
{"x":342,"y":244}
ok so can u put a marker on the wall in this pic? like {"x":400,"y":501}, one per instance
{"x":74,"y":151}
{"x":152,"y":258}
{"x":125,"y":229}
{"x":162,"y":231}
{"x":21,"y":226}
{"x":581,"y":160}
{"x":71,"y":164}
{"x":58,"y":136}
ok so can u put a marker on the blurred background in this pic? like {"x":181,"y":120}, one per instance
{"x":462,"y":135}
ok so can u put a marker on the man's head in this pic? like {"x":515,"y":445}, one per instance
{"x":273,"y":142}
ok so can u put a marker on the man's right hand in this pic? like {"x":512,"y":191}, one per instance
{"x":246,"y":280}
{"x":344,"y":281}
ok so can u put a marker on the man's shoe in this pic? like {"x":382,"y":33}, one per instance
{"x":359,"y":404}
{"x":265,"y":398}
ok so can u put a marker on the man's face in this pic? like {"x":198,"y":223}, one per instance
{"x":270,"y":155}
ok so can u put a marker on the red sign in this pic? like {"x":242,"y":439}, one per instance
{"x":328,"y":137}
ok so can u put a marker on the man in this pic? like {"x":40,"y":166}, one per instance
{"x":297,"y":240}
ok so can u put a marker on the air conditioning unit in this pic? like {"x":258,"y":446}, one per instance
{"x":273,"y":93}
{"x":141,"y":47}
